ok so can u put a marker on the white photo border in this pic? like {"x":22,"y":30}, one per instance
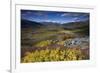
{"x":16,"y":64}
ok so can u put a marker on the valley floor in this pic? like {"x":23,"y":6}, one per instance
{"x":56,"y":45}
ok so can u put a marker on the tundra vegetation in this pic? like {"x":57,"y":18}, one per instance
{"x":54,"y":42}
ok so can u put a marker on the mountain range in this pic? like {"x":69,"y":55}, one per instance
{"x":71,"y":25}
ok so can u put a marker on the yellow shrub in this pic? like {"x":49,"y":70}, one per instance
{"x":43,"y":43}
{"x":56,"y":54}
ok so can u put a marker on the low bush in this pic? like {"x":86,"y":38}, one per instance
{"x":56,"y":54}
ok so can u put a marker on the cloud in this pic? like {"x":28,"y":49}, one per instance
{"x":65,"y":14}
{"x":30,"y":12}
{"x":76,"y":18}
{"x":72,"y":14}
{"x":47,"y":20}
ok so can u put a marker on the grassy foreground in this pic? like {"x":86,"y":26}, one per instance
{"x":54,"y":55}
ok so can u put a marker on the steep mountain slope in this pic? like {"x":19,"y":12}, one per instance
{"x":27,"y":24}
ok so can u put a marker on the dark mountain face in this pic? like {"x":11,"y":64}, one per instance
{"x":27,"y":24}
{"x":82,"y":27}
{"x":76,"y":25}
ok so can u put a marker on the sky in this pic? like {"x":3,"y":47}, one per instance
{"x":53,"y":16}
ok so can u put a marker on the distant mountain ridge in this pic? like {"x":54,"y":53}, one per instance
{"x":27,"y":23}
{"x":45,"y":23}
{"x":76,"y":25}
{"x":71,"y":25}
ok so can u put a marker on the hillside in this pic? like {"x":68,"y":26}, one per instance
{"x":76,"y":25}
{"x":27,"y":24}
